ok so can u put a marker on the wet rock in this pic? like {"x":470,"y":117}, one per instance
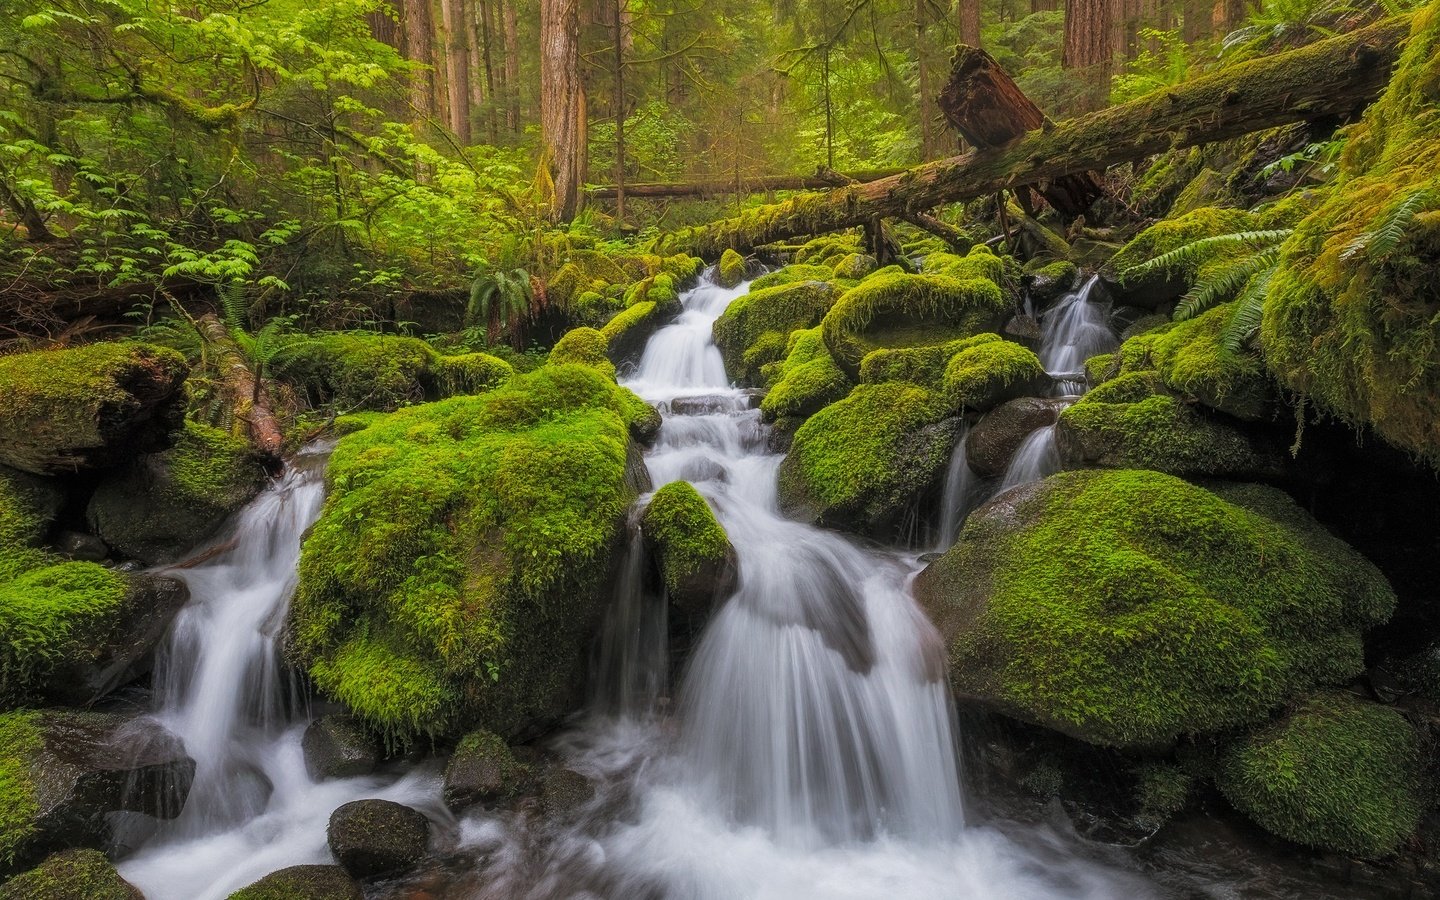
{"x":483,"y":770}
{"x":1051,"y":282}
{"x":1023,"y":328}
{"x":564,"y":793}
{"x":81,"y":546}
{"x":307,"y":882}
{"x":994,"y":439}
{"x":71,"y":875}
{"x":371,"y":838}
{"x":697,"y":560}
{"x":340,"y":746}
{"x":706,"y":405}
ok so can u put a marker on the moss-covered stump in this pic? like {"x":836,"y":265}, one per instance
{"x":755,"y":329}
{"x":374,"y":838}
{"x":1129,"y":608}
{"x":160,"y":505}
{"x":366,"y":370}
{"x":1350,"y":312}
{"x":863,"y":462}
{"x":71,"y":875}
{"x":62,"y":771}
{"x":303,"y":883}
{"x":483,"y":770}
{"x":893,"y":309}
{"x":1335,"y":772}
{"x":805,"y":382}
{"x":454,"y":575}
{"x":1165,"y":285}
{"x":991,"y":444}
{"x":88,"y":407}
{"x":697,"y":562}
{"x":1133,"y":422}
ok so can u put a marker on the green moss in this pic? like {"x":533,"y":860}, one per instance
{"x":983,"y":374}
{"x":302,"y":883}
{"x":1161,"y":791}
{"x":731,"y":269}
{"x":1172,"y":234}
{"x":806,"y":382}
{"x":828,"y":246}
{"x":470,"y":373}
{"x":586,"y":347}
{"x":1336,"y":772}
{"x":357,"y":369}
{"x":451,"y":577}
{"x":897,"y":310}
{"x":685,"y":532}
{"x":1128,"y":608}
{"x":980,"y":262}
{"x":50,"y":614}
{"x":71,"y":875}
{"x":28,"y":507}
{"x":791,"y":275}
{"x":1192,"y":359}
{"x":754,"y":329}
{"x":19,"y":741}
{"x":855,"y":266}
{"x":867,"y":457}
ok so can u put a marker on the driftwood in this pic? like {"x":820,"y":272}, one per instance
{"x":1330,"y":79}
{"x":987,"y":107}
{"x":245,"y":389}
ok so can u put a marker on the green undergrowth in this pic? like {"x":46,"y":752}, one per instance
{"x":585,"y":347}
{"x":1169,"y":235}
{"x":684,"y":531}
{"x":354,"y":370}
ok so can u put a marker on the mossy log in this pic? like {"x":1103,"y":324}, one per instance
{"x":1333,"y":78}
{"x":989,"y":109}
{"x":246,"y":389}
{"x":719,"y":187}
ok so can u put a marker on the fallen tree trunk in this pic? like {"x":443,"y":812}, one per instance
{"x":987,"y":107}
{"x":245,"y":390}
{"x":721,"y":186}
{"x":1334,"y":78}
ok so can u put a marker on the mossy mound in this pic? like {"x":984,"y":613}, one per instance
{"x":1051,"y":281}
{"x":893,"y":309}
{"x":730,"y":271}
{"x":863,"y":462}
{"x":71,"y":875}
{"x":627,"y":331}
{"x":20,"y":740}
{"x":161,"y":505}
{"x":1336,"y":772}
{"x":980,"y":262}
{"x":1133,"y":422}
{"x":462,"y":554}
{"x":805,"y":382}
{"x":755,"y":329}
{"x":601,"y":273}
{"x":354,"y":370}
{"x":977,"y":373}
{"x":585,"y":347}
{"x":856,"y":266}
{"x":1350,"y":315}
{"x":483,"y":770}
{"x":791,"y":275}
{"x":1159,"y":286}
{"x":829,"y":249}
{"x":88,"y":407}
{"x":697,"y":563}
{"x":303,"y":883}
{"x":1129,"y":608}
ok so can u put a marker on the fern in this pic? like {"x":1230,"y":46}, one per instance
{"x":1226,"y":282}
{"x":1380,"y":242}
{"x":233,"y":306}
{"x":1199,"y":251}
{"x":505,"y":301}
{"x":1249,"y":309}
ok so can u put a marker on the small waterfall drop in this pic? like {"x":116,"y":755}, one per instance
{"x":1073,"y":330}
{"x":962,"y":489}
{"x":1034,"y":459}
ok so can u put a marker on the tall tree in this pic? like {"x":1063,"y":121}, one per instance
{"x":562,"y":105}
{"x":512,"y":66}
{"x":420,"y":48}
{"x":617,"y":73}
{"x":967,"y":19}
{"x":1089,"y":47}
{"x":457,"y":66}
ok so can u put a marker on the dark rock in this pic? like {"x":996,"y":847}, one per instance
{"x":1023,"y":328}
{"x":339,"y":746}
{"x":303,"y":883}
{"x":994,"y":439}
{"x":564,"y":793}
{"x":71,"y":875}
{"x":371,"y":838}
{"x":483,"y":770}
{"x":81,"y":546}
{"x":1051,"y":282}
{"x":433,"y":312}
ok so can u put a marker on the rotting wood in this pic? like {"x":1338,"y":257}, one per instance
{"x":245,"y":390}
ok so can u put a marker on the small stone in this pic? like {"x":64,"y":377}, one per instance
{"x":81,"y":546}
{"x":309,"y":882}
{"x":371,"y":838}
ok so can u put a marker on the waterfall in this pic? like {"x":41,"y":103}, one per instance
{"x":961,"y":490}
{"x":1034,"y":459}
{"x":1073,"y":330}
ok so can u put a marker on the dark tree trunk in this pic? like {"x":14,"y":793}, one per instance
{"x":1089,"y":48}
{"x":562,"y":105}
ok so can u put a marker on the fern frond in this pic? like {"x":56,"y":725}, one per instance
{"x":1379,"y":242}
{"x":1245,"y":321}
{"x":1198,"y":251}
{"x":233,"y":307}
{"x":1225,"y":283}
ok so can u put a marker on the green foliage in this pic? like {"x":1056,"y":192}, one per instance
{"x":1128,"y":608}
{"x":19,"y":740}
{"x":1161,"y":791}
{"x":685,"y":532}
{"x":1336,"y":773}
{"x":1163,"y":61}
{"x":505,"y":302}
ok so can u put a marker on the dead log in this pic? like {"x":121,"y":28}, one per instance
{"x":987,"y":107}
{"x":1330,"y":79}
{"x":245,"y":389}
{"x":719,"y":187}
{"x":958,"y":240}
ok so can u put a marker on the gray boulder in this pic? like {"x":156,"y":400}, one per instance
{"x":994,"y":439}
{"x":340,"y":746}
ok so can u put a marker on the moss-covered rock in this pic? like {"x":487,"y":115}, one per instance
{"x":628,"y":330}
{"x":469,"y":373}
{"x":88,"y":407}
{"x":303,"y":883}
{"x":863,"y":462}
{"x":483,"y":770}
{"x":806,"y":381}
{"x":367,"y":370}
{"x":461,"y":556}
{"x":898,"y":310}
{"x":792,"y":275}
{"x":1129,"y":608}
{"x":986,"y":371}
{"x":159,"y":506}
{"x":856,"y":266}
{"x":585,"y":347}
{"x":1335,"y":772}
{"x":71,"y":875}
{"x":697,"y":562}
{"x":730,"y":271}
{"x":755,"y":329}
{"x":374,"y":838}
{"x":1164,"y":285}
{"x":829,"y":249}
{"x":1051,"y":281}
{"x":980,"y":262}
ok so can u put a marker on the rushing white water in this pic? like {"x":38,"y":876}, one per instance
{"x":962,"y":491}
{"x":1035,"y":458}
{"x":221,"y":687}
{"x":1073,"y":330}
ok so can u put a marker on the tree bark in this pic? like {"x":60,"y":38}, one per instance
{"x":512,"y":67}
{"x":1195,"y":20}
{"x":457,"y":67}
{"x":988,"y":108}
{"x":420,"y":48}
{"x":485,"y":42}
{"x":925,"y":103}
{"x":715,"y":187}
{"x":1334,"y":78}
{"x":245,"y":388}
{"x":967,"y":20}
{"x":1089,"y":47}
{"x":618,"y":75}
{"x":562,"y":105}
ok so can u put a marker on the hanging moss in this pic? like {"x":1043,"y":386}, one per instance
{"x":1336,"y":773}
{"x":684,"y":532}
{"x":458,"y":564}
{"x":755,"y":329}
{"x":1128,"y":608}
{"x":806,"y":382}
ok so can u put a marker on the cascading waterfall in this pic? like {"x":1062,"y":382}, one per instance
{"x":962,"y":488}
{"x":1072,"y":331}
{"x":221,"y":687}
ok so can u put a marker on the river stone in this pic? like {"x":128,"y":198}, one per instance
{"x":303,"y":883}
{"x":564,"y":793}
{"x":340,"y":746}
{"x":71,"y":875}
{"x":80,"y":546}
{"x":482,"y":770}
{"x":994,"y":439}
{"x":371,"y":838}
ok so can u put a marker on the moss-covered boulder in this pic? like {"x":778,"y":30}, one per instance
{"x":88,"y":407}
{"x":71,"y":875}
{"x":461,"y":559}
{"x":1335,"y":772}
{"x":894,"y":309}
{"x":627,"y":331}
{"x":863,"y":462}
{"x":1162,"y":285}
{"x":697,"y":562}
{"x":986,"y":371}
{"x":755,"y":329}
{"x":1130,"y":608}
{"x":585,"y":347}
{"x":62,"y":772}
{"x":375,"y":838}
{"x":367,"y":370}
{"x":730,"y":271}
{"x":805,"y":382}
{"x":1349,"y":317}
{"x":1049,"y":282}
{"x":303,"y":883}
{"x":1133,"y":422}
{"x":483,"y":770}
{"x":793,"y":274}
{"x":160,"y":505}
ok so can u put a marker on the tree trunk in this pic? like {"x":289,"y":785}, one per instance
{"x":420,"y":48}
{"x":1330,"y":79}
{"x":967,"y":19}
{"x":1227,"y":15}
{"x":1089,"y":49}
{"x":245,"y":389}
{"x":715,"y":187}
{"x":457,"y":67}
{"x":925,"y":102}
{"x":1195,"y":23}
{"x":988,"y":108}
{"x":562,"y":104}
{"x":618,"y":75}
{"x":512,"y":67}
{"x":485,"y":41}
